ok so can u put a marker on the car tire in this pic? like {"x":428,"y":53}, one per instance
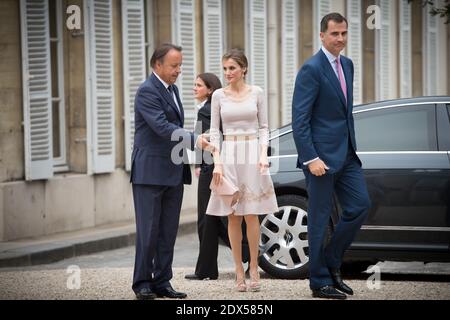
{"x":285,"y":256}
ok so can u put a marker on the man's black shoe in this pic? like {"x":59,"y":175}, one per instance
{"x":196,"y":277}
{"x":170,"y":293}
{"x":338,"y":283}
{"x":145,"y":294}
{"x":328,"y":292}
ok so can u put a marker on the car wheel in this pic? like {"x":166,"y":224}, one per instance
{"x":284,"y":239}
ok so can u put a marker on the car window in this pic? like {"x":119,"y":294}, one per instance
{"x":283,"y":146}
{"x":448,"y":108}
{"x":411,"y":128}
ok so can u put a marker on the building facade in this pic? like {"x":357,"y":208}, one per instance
{"x":66,"y":93}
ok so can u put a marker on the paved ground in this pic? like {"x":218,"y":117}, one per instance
{"x":107,"y":275}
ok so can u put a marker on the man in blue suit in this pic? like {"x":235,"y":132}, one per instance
{"x":325,"y":139}
{"x":158,"y":174}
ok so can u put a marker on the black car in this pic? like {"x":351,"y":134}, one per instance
{"x":405,"y":149}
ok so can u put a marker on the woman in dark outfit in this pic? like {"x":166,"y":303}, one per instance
{"x":210,"y":228}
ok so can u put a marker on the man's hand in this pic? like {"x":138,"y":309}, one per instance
{"x":197,"y":172}
{"x":204,"y":144}
{"x":318,"y":168}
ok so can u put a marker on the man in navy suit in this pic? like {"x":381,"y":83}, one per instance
{"x":158,"y":174}
{"x":325,"y":139}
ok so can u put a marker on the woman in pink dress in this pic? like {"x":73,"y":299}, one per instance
{"x":242,"y":187}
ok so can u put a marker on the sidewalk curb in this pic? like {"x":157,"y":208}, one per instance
{"x":102,"y":239}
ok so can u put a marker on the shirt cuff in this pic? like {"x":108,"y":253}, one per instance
{"x":310,"y":161}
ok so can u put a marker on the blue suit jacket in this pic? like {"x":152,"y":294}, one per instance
{"x":323,"y":122}
{"x":156,"y":119}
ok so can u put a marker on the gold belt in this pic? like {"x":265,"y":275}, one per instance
{"x":240,"y":138}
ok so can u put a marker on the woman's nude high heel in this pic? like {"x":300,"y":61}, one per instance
{"x":240,"y":285}
{"x":255,"y":284}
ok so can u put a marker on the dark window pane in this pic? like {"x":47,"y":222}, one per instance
{"x":54,"y":68}
{"x":411,"y":128}
{"x":56,"y":135}
{"x":52,"y":18}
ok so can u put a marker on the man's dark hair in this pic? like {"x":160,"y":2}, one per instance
{"x":336,"y":17}
{"x":161,"y":52}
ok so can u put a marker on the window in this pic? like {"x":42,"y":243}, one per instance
{"x":320,"y":9}
{"x":183,"y":34}
{"x":411,"y":128}
{"x":134,"y":65}
{"x":354,"y":49}
{"x":283,"y":146}
{"x":386,"y":46}
{"x":256,"y":42}
{"x":37,"y":87}
{"x":289,"y":54}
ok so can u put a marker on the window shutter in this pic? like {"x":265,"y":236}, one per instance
{"x":321,"y":9}
{"x":289,"y":53}
{"x":430,"y":53}
{"x":213,"y":28}
{"x":257,"y":42}
{"x":100,"y":74}
{"x":354,"y":48}
{"x":405,"y":49}
{"x":134,"y":65}
{"x":184,"y":35}
{"x":385,"y":85}
{"x":37,"y":99}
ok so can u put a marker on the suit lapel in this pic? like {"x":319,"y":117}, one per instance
{"x":165,"y":93}
{"x":331,"y":75}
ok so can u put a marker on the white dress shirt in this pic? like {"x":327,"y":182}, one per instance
{"x":166,"y":85}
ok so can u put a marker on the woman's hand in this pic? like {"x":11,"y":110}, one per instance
{"x":217,"y":174}
{"x":197,"y":172}
{"x":263,"y":164}
{"x":318,"y":168}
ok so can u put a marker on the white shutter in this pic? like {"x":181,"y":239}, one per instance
{"x":37,"y":99}
{"x":184,"y":36}
{"x":431,"y":53}
{"x":354,"y":48}
{"x":385,"y":85}
{"x":134,"y":65}
{"x":257,"y":42}
{"x":213,"y":27}
{"x":321,"y":9}
{"x":100,"y":86}
{"x":289,"y":48}
{"x":405,"y":49}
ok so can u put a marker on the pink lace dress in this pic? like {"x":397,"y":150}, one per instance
{"x":245,"y":129}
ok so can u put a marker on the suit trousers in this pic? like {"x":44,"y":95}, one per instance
{"x":351,"y":191}
{"x":210,"y":228}
{"x":157,"y":217}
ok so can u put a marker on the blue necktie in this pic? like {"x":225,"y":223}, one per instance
{"x":171,"y":91}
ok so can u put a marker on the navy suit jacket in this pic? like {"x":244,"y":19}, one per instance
{"x":323,"y":122}
{"x":156,"y":119}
